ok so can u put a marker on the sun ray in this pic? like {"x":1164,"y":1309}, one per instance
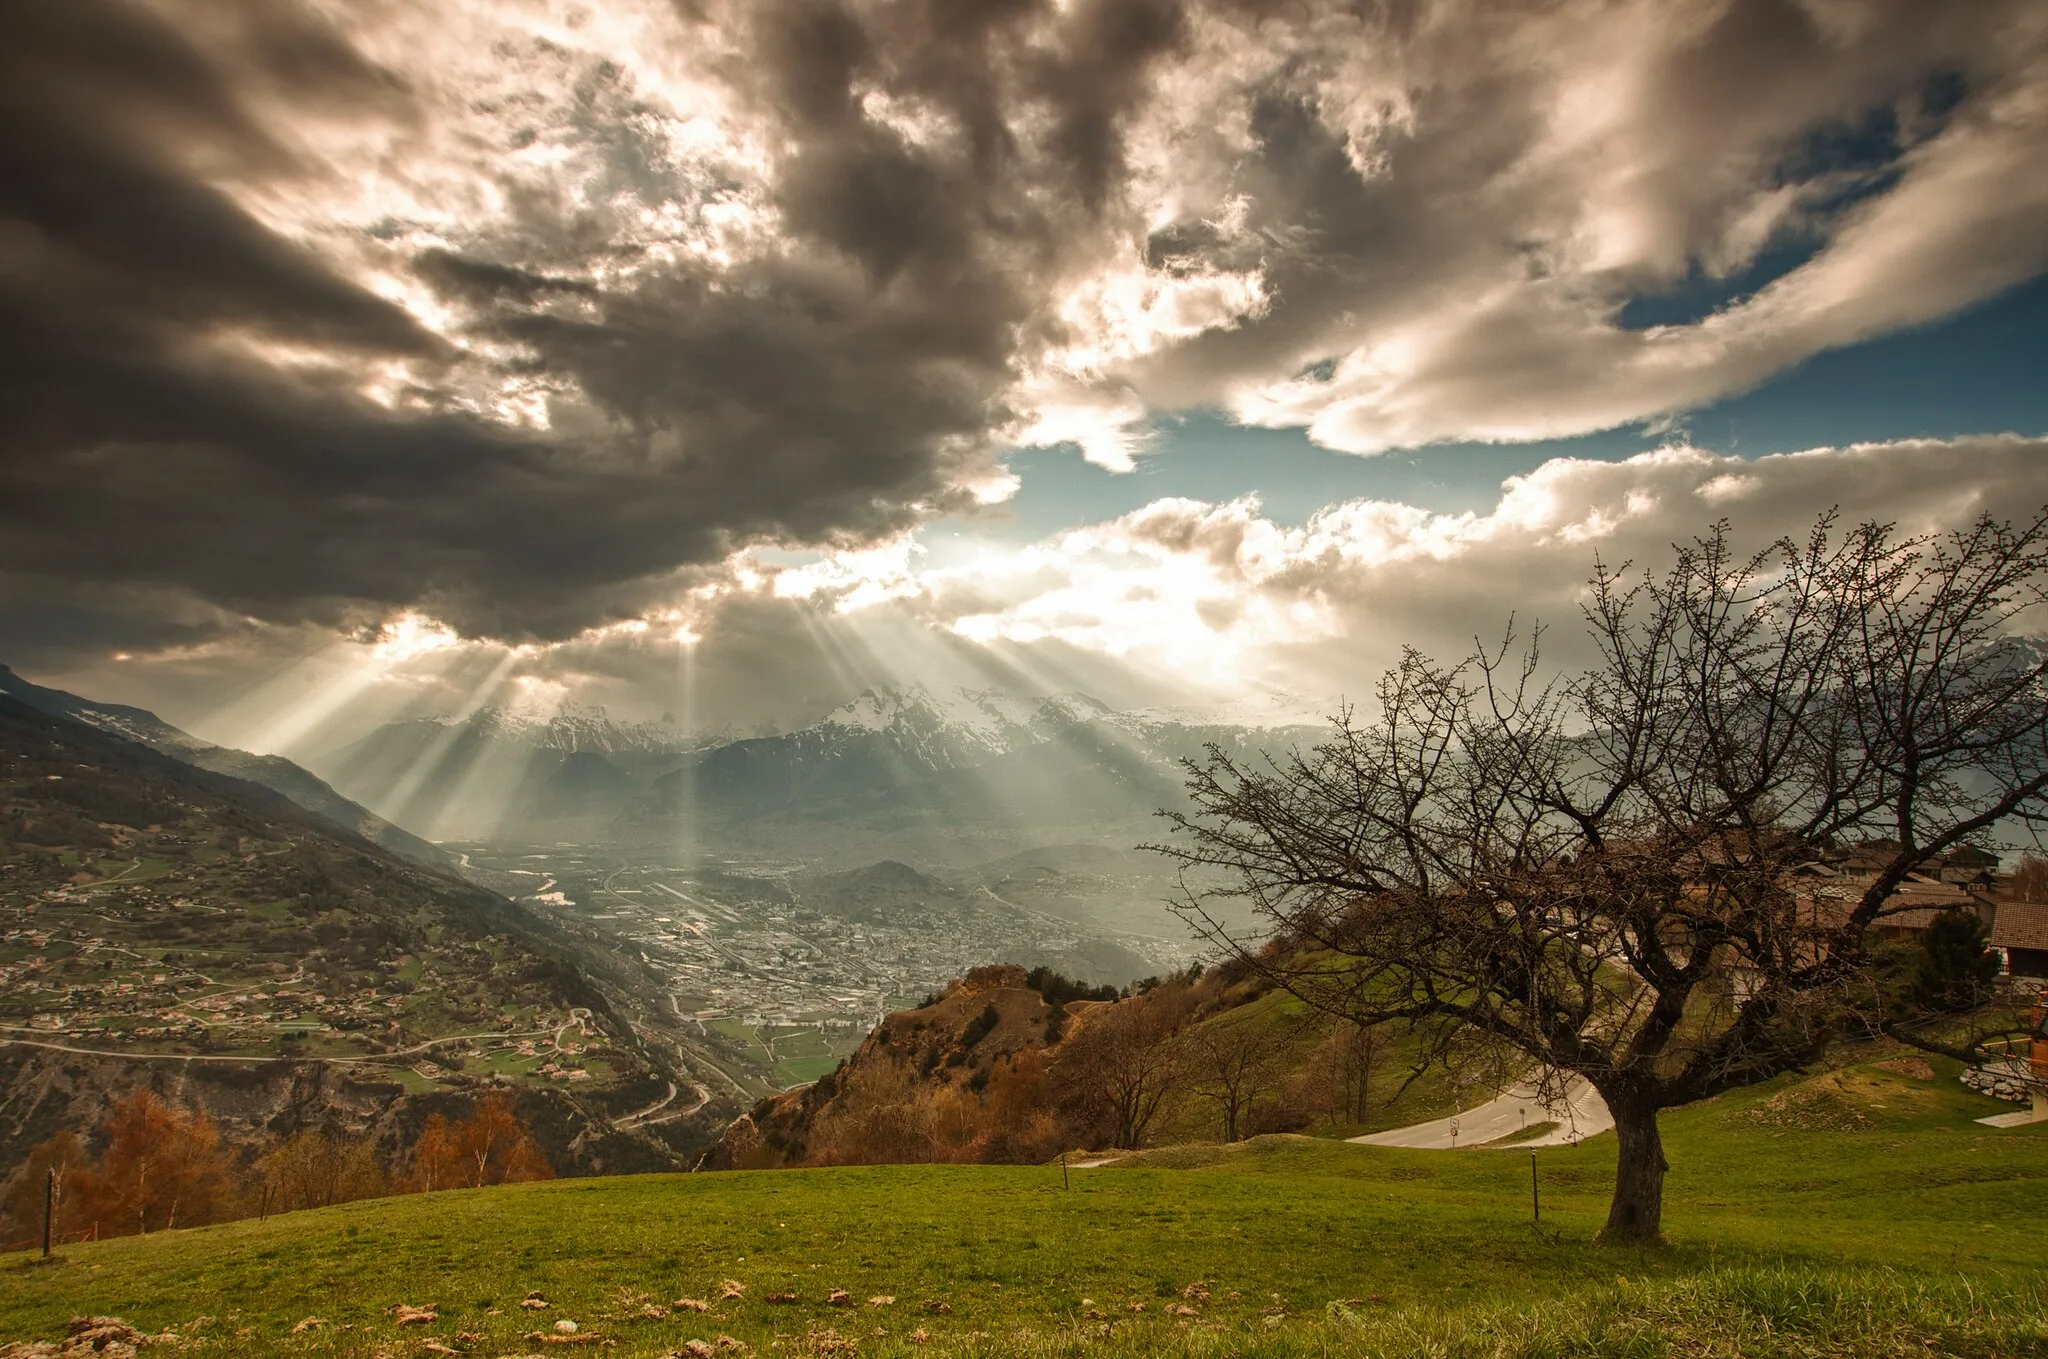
{"x":399,"y":798}
{"x":490,"y":777}
{"x":686,"y":814}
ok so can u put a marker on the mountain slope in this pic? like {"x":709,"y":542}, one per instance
{"x":173,"y":927}
{"x":1006,"y":1065}
{"x":271,"y":771}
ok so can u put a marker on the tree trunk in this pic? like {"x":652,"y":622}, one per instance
{"x":1637,"y":1214}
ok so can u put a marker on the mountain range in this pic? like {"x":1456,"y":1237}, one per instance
{"x":930,"y":772}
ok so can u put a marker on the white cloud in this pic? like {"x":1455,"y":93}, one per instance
{"x":1227,"y":597}
{"x":1451,"y":217}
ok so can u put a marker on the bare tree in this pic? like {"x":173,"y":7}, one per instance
{"x":1350,"y":1054}
{"x":311,"y":1170}
{"x":1233,"y":1064}
{"x":1604,"y":871}
{"x":1127,"y":1059}
{"x":2029,"y":879}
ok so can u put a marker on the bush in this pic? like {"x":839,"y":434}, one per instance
{"x":1057,"y":989}
{"x":980,"y":1027}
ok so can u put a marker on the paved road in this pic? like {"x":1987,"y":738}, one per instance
{"x":1580,"y":1114}
{"x":415,"y":1049}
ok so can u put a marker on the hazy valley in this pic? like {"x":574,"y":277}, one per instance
{"x":273,"y":947}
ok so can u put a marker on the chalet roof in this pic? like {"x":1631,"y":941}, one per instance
{"x":1912,"y":906}
{"x":2020,"y":924}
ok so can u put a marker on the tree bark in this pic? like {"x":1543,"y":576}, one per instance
{"x":1636,"y":1216}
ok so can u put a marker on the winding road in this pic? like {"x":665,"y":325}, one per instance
{"x":1579,"y":1114}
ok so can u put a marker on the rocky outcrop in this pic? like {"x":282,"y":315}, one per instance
{"x":986,"y":1018}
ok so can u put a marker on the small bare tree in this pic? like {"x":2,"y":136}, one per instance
{"x":1125,"y":1063}
{"x":1233,"y":1064}
{"x":1605,"y":871}
{"x":2029,"y":879}
{"x":1350,"y":1054}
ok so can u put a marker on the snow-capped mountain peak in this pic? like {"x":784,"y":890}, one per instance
{"x":993,"y":719}
{"x":572,"y":728}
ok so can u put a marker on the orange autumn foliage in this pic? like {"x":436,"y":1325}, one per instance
{"x":491,"y":1146}
{"x":162,"y":1167}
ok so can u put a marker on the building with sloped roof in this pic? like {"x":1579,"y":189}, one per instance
{"x":2021,"y":929}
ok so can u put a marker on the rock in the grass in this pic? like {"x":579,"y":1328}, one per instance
{"x":565,"y":1327}
{"x":105,"y":1337}
{"x":101,"y":1335}
{"x":839,"y":1297}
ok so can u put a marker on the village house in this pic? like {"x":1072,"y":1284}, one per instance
{"x":2021,"y":931}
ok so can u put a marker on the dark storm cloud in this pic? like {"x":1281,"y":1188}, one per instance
{"x":185,"y":381}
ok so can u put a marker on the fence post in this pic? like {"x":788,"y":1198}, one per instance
{"x":1065,"y":1183}
{"x":49,"y":1206}
{"x":1535,"y":1194}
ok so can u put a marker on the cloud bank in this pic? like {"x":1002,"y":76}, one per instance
{"x":1183,"y":603}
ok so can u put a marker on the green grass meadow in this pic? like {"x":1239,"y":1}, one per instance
{"x":1860,"y":1213}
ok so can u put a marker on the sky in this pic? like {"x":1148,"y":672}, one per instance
{"x":714,"y":359}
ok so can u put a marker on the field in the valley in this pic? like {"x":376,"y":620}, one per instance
{"x":1858,"y":1213}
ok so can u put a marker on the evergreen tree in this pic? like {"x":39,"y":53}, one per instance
{"x":1956,"y":968}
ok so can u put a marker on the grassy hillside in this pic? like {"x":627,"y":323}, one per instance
{"x":982,"y":1072}
{"x":1856,"y":1213}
